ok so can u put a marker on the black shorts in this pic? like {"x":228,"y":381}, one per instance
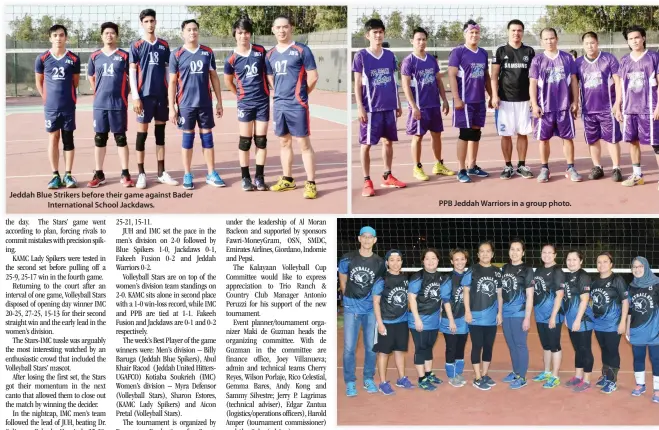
{"x":396,"y":339}
{"x":550,"y":338}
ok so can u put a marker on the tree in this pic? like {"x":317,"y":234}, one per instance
{"x":579,"y":19}
{"x":412,"y":21}
{"x":22,"y":28}
{"x":394,"y":25}
{"x":362,"y":21}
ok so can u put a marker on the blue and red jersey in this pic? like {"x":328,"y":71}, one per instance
{"x":111,"y":73}
{"x":59,"y":93}
{"x":249,"y":72}
{"x":151,"y":60}
{"x":193,"y":76}
{"x":289,"y":68}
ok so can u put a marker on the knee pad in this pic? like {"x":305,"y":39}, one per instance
{"x":140,"y":141}
{"x":206,"y":140}
{"x":120,"y":138}
{"x":101,"y":140}
{"x":160,"y":134}
{"x":261,"y":142}
{"x":188,"y":140}
{"x":656,"y":149}
{"x":67,"y":140}
{"x":470,"y":134}
{"x":477,"y":135}
{"x":244,"y":143}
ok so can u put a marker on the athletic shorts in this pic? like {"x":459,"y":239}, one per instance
{"x":601,"y":126}
{"x":378,"y":125}
{"x":106,"y":121}
{"x":550,"y":338}
{"x":396,"y":339}
{"x":513,"y":118}
{"x":252,"y":113}
{"x":188,"y":118}
{"x":473,"y":114}
{"x":293,"y":121}
{"x":56,"y":120}
{"x":154,"y":108}
{"x":552,"y":124}
{"x":641,"y":128}
{"x":431,"y":120}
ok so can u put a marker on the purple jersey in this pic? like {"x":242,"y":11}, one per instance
{"x":151,"y":60}
{"x":379,"y":89}
{"x":59,"y":94}
{"x":639,"y":83}
{"x":598,"y":93}
{"x":193,"y":70}
{"x":553,"y":77}
{"x":471,"y":72}
{"x":111,"y":73}
{"x":289,"y":68}
{"x":424,"y":85}
{"x":249,"y":71}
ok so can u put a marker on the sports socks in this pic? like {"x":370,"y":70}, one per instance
{"x":259,"y":170}
{"x":161,"y":167}
{"x":244,"y":172}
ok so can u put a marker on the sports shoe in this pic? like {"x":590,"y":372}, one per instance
{"x":544,"y":175}
{"x":392,"y":182}
{"x":463,"y":176}
{"x":126,"y":181}
{"x":440,"y":169}
{"x":247,"y":184}
{"x":434,"y":379}
{"x":616,"y":175}
{"x":351,"y":389}
{"x":55,"y":183}
{"x":259,"y":182}
{"x":524,"y":172}
{"x":609,"y":387}
{"x":283,"y":185}
{"x":455,"y":382}
{"x":518,"y":383}
{"x":96,"y":181}
{"x":404,"y":382}
{"x":489,"y":380}
{"x":370,"y":387}
{"x":70,"y":181}
{"x":507,"y":173}
{"x":477,"y":171}
{"x":510,"y":377}
{"x":385,"y":388}
{"x":167,"y":180}
{"x":368,"y":190}
{"x":573,"y":175}
{"x":596,"y":173}
{"x":601,"y":382}
{"x":310,"y":191}
{"x":655,"y":396}
{"x":481,"y":384}
{"x":581,"y":387}
{"x":552,"y":382}
{"x":419,"y":174}
{"x":215,"y":180}
{"x":574,"y":381}
{"x":141,"y":181}
{"x":640,"y":389}
{"x":544,"y":376}
{"x":634,"y":179}
{"x":187,"y":181}
{"x":426,"y":385}
{"x":461,"y":379}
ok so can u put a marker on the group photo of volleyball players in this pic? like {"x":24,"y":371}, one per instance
{"x":565,"y":314}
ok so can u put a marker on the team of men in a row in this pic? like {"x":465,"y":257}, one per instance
{"x":176,"y":86}
{"x":539,"y":94}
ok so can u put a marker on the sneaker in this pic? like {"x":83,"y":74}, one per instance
{"x":609,"y":387}
{"x":489,"y":380}
{"x":510,"y":377}
{"x":310,"y":191}
{"x":187,"y":181}
{"x":616,"y":175}
{"x":426,"y":385}
{"x":247,"y":184}
{"x":655,"y":396}
{"x":259,"y":183}
{"x":463,"y":176}
{"x":573,"y":382}
{"x":507,"y":173}
{"x":596,"y":173}
{"x":461,"y":379}
{"x":518,"y":383}
{"x":351,"y":389}
{"x":96,"y":181}
{"x":544,"y":175}
{"x":634,"y":179}
{"x":420,"y":174}
{"x":552,"y":382}
{"x":404,"y":382}
{"x":455,"y":382}
{"x":581,"y":387}
{"x":477,"y":171}
{"x":385,"y":388}
{"x":601,"y":382}
{"x":524,"y":172}
{"x":481,"y":384}
{"x":573,"y":175}
{"x":215,"y":180}
{"x":544,"y":376}
{"x":70,"y":181}
{"x":440,"y":169}
{"x":640,"y":389}
{"x":126,"y":181}
{"x":370,"y":387}
{"x":368,"y":190}
{"x":166,"y":179}
{"x":434,"y":379}
{"x":141,"y":181}
{"x":392,"y":182}
{"x":55,"y":183}
{"x":283,"y":185}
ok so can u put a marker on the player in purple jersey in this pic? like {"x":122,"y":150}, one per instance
{"x":108,"y":76}
{"x":57,"y":74}
{"x":292,"y":74}
{"x":378,"y":104}
{"x":470,"y":80}
{"x":554,"y":92}
{"x":638,"y":109}
{"x":597,"y":73}
{"x":246,"y":64}
{"x":148,"y":85}
{"x":191,"y":75}
{"x":423,"y":87}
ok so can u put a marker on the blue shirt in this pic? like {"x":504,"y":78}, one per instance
{"x":452,"y":293}
{"x":362,"y":272}
{"x":392,"y":290}
{"x":608,"y":295}
{"x":547,"y":281}
{"x":193,"y":69}
{"x":151,"y":60}
{"x":515,"y":281}
{"x":249,"y":71}
{"x":59,"y":94}
{"x":289,"y":68}
{"x":111,"y":73}
{"x":483,"y":295}
{"x":426,"y":286}
{"x":576,"y":284}
{"x":644,"y":312}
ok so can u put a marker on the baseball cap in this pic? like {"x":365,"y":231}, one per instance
{"x":367,"y":230}
{"x":392,"y":251}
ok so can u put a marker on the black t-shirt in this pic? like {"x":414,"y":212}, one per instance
{"x":428,"y":299}
{"x":362,"y":273}
{"x":514,"y":72}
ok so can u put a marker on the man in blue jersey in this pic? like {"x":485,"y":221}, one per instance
{"x":247,"y":65}
{"x":108,"y":76}
{"x":192,"y":72}
{"x":148,"y":85}
{"x":57,"y":74}
{"x":292,"y":74}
